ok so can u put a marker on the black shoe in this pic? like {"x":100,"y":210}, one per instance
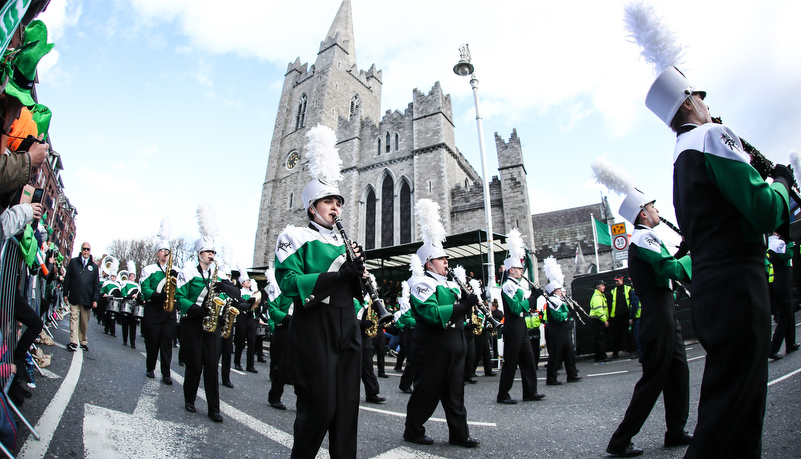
{"x":507,"y":401}
{"x":252,"y":370}
{"x":534,"y":398}
{"x":113,"y":335}
{"x":629,"y":451}
{"x":774,"y":356}
{"x":576,"y":379}
{"x":133,"y":346}
{"x":615,"y":356}
{"x":190,"y":407}
{"x":471,"y":381}
{"x":383,"y":375}
{"x":682,"y":439}
{"x":398,"y":370}
{"x":375,"y":399}
{"x":792,"y":348}
{"x":216,"y":417}
{"x":408,"y":390}
{"x":228,"y":384}
{"x":553,"y":383}
{"x":490,"y":374}
{"x":424,"y":440}
{"x":277,"y":405}
{"x":72,"y":347}
{"x":468,"y":442}
{"x":180,"y":364}
{"x":261,"y":360}
{"x":150,"y":374}
{"x":238,"y":367}
{"x":85,"y":348}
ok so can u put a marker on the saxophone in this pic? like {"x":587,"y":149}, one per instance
{"x":229,"y":317}
{"x":169,"y":287}
{"x":214,"y":303}
{"x":372,"y":316}
{"x":477,"y":322}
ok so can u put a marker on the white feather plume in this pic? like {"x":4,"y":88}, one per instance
{"x":405,"y":290}
{"x":416,"y":266}
{"x":658,"y":44}
{"x":324,"y":161}
{"x":553,"y":271}
{"x":517,"y":249}
{"x":270,"y":273}
{"x":115,"y":266}
{"x":795,"y":161}
{"x":475,"y":285}
{"x":460,"y":273}
{"x":431,"y":228}
{"x":165,"y":230}
{"x":611,"y":176}
{"x":132,"y":268}
{"x":206,"y":220}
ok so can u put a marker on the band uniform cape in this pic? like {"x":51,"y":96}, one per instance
{"x":438,"y":356}
{"x":664,"y":358}
{"x":517,"y":349}
{"x":324,"y":338}
{"x":724,"y":209}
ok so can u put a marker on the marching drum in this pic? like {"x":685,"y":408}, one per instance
{"x":139,"y":311}
{"x":127,"y":307}
{"x":114,"y":305}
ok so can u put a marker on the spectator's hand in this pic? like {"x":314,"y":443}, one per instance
{"x":38,"y":152}
{"x":606,"y":324}
{"x":38,"y":210}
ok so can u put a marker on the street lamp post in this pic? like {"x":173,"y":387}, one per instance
{"x":464,"y":68}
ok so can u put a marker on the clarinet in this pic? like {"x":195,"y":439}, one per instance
{"x":671,"y":226}
{"x":384,"y":316}
{"x":481,"y":306}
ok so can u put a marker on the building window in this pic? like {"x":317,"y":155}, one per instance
{"x":355,"y":103}
{"x":300,"y":119}
{"x":379,"y":146}
{"x":369,"y":221}
{"x":430,"y":189}
{"x":291,"y":196}
{"x":387,"y":212}
{"x":397,"y":138}
{"x":405,"y":213}
{"x":388,"y":142}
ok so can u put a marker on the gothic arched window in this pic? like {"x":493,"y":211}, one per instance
{"x":300,"y":119}
{"x":354,"y":104}
{"x":405,"y":213}
{"x":379,"y":146}
{"x":396,"y":141}
{"x":387,"y":212}
{"x":388,"y":142}
{"x":369,"y":221}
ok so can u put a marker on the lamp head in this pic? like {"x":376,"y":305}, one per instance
{"x":463,"y":68}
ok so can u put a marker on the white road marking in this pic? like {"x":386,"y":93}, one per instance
{"x":609,"y":373}
{"x":51,"y":417}
{"x":403,"y":415}
{"x":403,"y":452}
{"x":49,"y":374}
{"x":696,"y":358}
{"x":784,"y":377}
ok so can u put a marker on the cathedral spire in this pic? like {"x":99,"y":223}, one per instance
{"x":343,"y":25}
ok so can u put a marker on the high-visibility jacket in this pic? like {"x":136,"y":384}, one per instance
{"x":626,"y":293}
{"x":598,"y":306}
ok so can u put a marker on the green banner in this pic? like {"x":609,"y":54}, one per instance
{"x":602,"y":230}
{"x":10,"y":17}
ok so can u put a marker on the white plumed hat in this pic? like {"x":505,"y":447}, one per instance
{"x":431,"y":230}
{"x":324,"y":166}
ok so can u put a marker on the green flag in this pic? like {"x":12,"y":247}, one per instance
{"x":602,"y":230}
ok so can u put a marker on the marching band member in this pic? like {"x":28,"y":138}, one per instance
{"x":561,"y":348}
{"x":226,"y":344}
{"x":130,"y":291}
{"x":406,"y":324}
{"x":159,"y":324}
{"x":280,"y":309}
{"x":369,"y":379}
{"x":312,"y":269}
{"x":111,"y":290}
{"x":246,"y":324}
{"x":438,"y":344}
{"x":517,"y":351}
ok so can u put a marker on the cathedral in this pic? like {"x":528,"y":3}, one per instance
{"x":389,"y":161}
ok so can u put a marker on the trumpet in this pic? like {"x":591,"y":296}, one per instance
{"x":482,"y":306}
{"x":384,"y":316}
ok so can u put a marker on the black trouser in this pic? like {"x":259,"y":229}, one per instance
{"x":245,"y":330}
{"x":200,"y":352}
{"x":369,"y":379}
{"x":599,"y":330}
{"x":110,"y":323}
{"x":100,"y":311}
{"x":407,"y":378}
{"x":159,"y":329}
{"x":781,"y":293}
{"x":403,"y":350}
{"x":561,"y":351}
{"x":128,"y":325}
{"x":224,"y":357}
{"x":483,"y":352}
{"x":258,"y":348}
{"x":664,"y":370}
{"x":27,"y":316}
{"x":517,"y":353}
{"x":438,"y":356}
{"x":279,"y":362}
{"x":534,"y":337}
{"x":380,"y":349}
{"x":618,"y":336}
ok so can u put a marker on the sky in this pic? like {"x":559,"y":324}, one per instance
{"x":160,"y":105}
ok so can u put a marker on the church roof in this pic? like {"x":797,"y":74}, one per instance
{"x":343,"y":25}
{"x":566,"y":217}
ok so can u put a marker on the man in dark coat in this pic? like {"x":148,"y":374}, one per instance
{"x":81,"y":290}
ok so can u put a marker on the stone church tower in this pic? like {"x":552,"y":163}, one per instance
{"x":389,"y":162}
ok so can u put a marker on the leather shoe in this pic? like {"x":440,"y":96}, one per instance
{"x":383,"y":375}
{"x":238,"y":367}
{"x":774,"y":356}
{"x":629,"y":451}
{"x":167,"y":380}
{"x":490,"y":374}
{"x":278,"y":405}
{"x":375,"y":399}
{"x":190,"y":407}
{"x":471,"y":381}
{"x":261,"y":360}
{"x":150,"y":374}
{"x":252,"y":370}
{"x":792,"y":348}
{"x":507,"y":401}
{"x":553,"y":383}
{"x":576,"y":379}
{"x":85,"y":348}
{"x":133,"y":346}
{"x":408,"y":390}
{"x":682,"y":439}
{"x":216,"y":417}
{"x":534,"y":398}
{"x":228,"y":384}
{"x":72,"y":347}
{"x":424,"y":440}
{"x":468,"y":442}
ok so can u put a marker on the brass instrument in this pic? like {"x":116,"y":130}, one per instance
{"x":482,"y":307}
{"x":370,"y":314}
{"x":229,"y":317}
{"x":478,"y":324}
{"x":169,"y":287}
{"x":214,"y":303}
{"x":384,"y":316}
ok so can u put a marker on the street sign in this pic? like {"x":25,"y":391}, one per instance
{"x":620,"y":242}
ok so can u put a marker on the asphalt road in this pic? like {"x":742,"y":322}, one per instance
{"x":99,"y":404}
